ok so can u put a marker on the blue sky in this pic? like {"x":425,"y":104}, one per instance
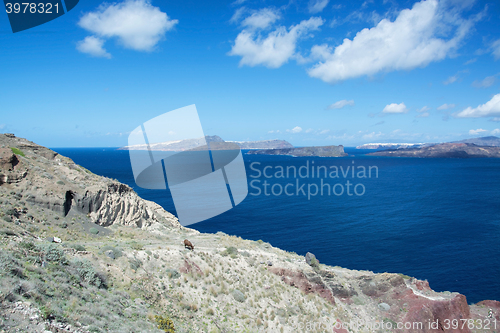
{"x":313,"y":72}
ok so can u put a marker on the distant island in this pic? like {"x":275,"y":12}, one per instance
{"x":447,"y":150}
{"x":323,"y":151}
{"x":182,"y":145}
{"x":389,"y":145}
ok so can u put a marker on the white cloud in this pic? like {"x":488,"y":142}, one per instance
{"x":296,"y":129}
{"x":93,"y":46}
{"x":135,"y":23}
{"x":316,"y":6}
{"x":340,"y":104}
{"x":275,"y":49}
{"x":238,"y":2}
{"x":489,"y":109}
{"x":395,"y":108}
{"x":446,"y":106}
{"x":2,"y":126}
{"x":324,"y":131}
{"x":423,"y":109}
{"x":309,"y":130}
{"x":261,"y":19}
{"x":496,"y":131}
{"x":408,"y":42}
{"x":495,"y":48}
{"x":238,"y":14}
{"x":477,"y":131}
{"x":485,"y":83}
{"x":451,"y":79}
{"x":471,"y":61}
{"x":496,"y":119}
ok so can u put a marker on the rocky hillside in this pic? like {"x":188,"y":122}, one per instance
{"x":84,"y":253}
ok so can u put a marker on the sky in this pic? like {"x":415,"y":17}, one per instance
{"x":313,"y":72}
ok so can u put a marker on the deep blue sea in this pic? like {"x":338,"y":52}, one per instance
{"x":434,"y":219}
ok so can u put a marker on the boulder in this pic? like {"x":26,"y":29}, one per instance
{"x":309,"y":257}
{"x":110,"y":254}
{"x":8,"y":160}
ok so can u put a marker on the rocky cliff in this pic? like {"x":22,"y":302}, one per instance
{"x":45,"y":179}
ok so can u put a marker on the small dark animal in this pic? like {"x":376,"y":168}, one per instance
{"x":188,"y":244}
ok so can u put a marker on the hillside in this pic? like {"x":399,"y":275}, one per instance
{"x":491,"y":141}
{"x":84,"y":253}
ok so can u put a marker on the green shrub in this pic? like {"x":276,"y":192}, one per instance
{"x":10,"y":265}
{"x":7,"y":218}
{"x":165,"y":323}
{"x":173,"y":273}
{"x":78,"y":247}
{"x":117,"y":252}
{"x":94,"y":231}
{"x":27,"y":245}
{"x":60,"y":182}
{"x":7,"y":232}
{"x":52,"y":253}
{"x":136,"y":246}
{"x":230,"y":251}
{"x":314,"y":263}
{"x":88,"y":274}
{"x":17,"y":151}
{"x":238,"y":295}
{"x":134,"y":263}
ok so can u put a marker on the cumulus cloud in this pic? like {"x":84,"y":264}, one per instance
{"x":423,"y":109}
{"x":496,"y":131}
{"x":261,"y":19}
{"x":488,"y":109}
{"x":485,"y":83}
{"x":276,"y":48}
{"x":316,"y":6}
{"x":93,"y":46}
{"x":408,"y":42}
{"x":477,"y":131}
{"x":495,"y":48}
{"x":135,"y":23}
{"x":395,"y":108}
{"x":446,"y":106}
{"x":340,"y":104}
{"x":296,"y":129}
{"x":324,"y":131}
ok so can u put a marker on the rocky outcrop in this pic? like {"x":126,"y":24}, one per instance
{"x":324,"y":151}
{"x":11,"y":169}
{"x":47,"y":180}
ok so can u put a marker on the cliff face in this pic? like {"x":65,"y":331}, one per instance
{"x":443,"y":150}
{"x":324,"y":151}
{"x":48,"y":180}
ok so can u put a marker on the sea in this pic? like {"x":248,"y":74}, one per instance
{"x":434,"y":219}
